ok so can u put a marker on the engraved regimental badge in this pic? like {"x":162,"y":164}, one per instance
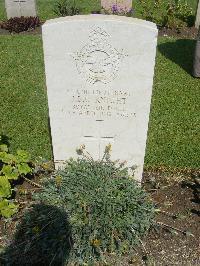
{"x":98,"y":61}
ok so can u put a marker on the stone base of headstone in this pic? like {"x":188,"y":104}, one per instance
{"x":196,"y":63}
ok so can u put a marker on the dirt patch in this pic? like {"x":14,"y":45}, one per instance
{"x":177,"y":196}
{"x":35,"y":31}
{"x":173,"y":240}
{"x":187,"y":32}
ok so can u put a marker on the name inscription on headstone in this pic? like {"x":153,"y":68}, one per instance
{"x":97,"y":103}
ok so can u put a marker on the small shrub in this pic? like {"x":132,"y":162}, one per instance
{"x":178,"y":14}
{"x":12,"y":167}
{"x":66,"y":8}
{"x":19,"y":24}
{"x":108,"y":211}
{"x":171,"y":13}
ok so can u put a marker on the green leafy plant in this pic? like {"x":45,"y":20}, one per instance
{"x":19,"y":24}
{"x":7,"y":208}
{"x":108,"y":211}
{"x":171,"y":13}
{"x":12,"y":167}
{"x":66,"y":8}
{"x":178,"y":14}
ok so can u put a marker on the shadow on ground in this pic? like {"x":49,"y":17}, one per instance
{"x":42,"y":238}
{"x":181,"y":52}
{"x":194,"y":184}
{"x":5,"y":140}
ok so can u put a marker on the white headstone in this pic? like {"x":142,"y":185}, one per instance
{"x":18,"y":8}
{"x":99,"y":75}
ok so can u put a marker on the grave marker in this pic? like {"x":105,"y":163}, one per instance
{"x":18,"y":8}
{"x":99,"y":76}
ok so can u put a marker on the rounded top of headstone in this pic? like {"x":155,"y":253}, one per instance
{"x":98,"y":17}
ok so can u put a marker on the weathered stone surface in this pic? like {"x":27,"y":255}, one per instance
{"x":99,"y":75}
{"x":18,"y":8}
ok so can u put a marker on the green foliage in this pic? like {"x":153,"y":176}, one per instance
{"x":108,"y":210}
{"x":171,"y":13}
{"x":7,"y":208}
{"x":5,"y":187}
{"x":45,"y":7}
{"x":11,"y":168}
{"x":66,"y":8}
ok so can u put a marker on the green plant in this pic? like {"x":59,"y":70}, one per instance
{"x":66,"y":8}
{"x":171,"y":13}
{"x":152,"y":10}
{"x":108,"y":210}
{"x":12,"y":167}
{"x":19,"y":24}
{"x":178,"y":14}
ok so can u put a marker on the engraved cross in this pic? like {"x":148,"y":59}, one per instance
{"x":99,"y":138}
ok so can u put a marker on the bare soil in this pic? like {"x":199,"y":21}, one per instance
{"x":35,"y":31}
{"x":188,"y":33}
{"x":178,"y":197}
